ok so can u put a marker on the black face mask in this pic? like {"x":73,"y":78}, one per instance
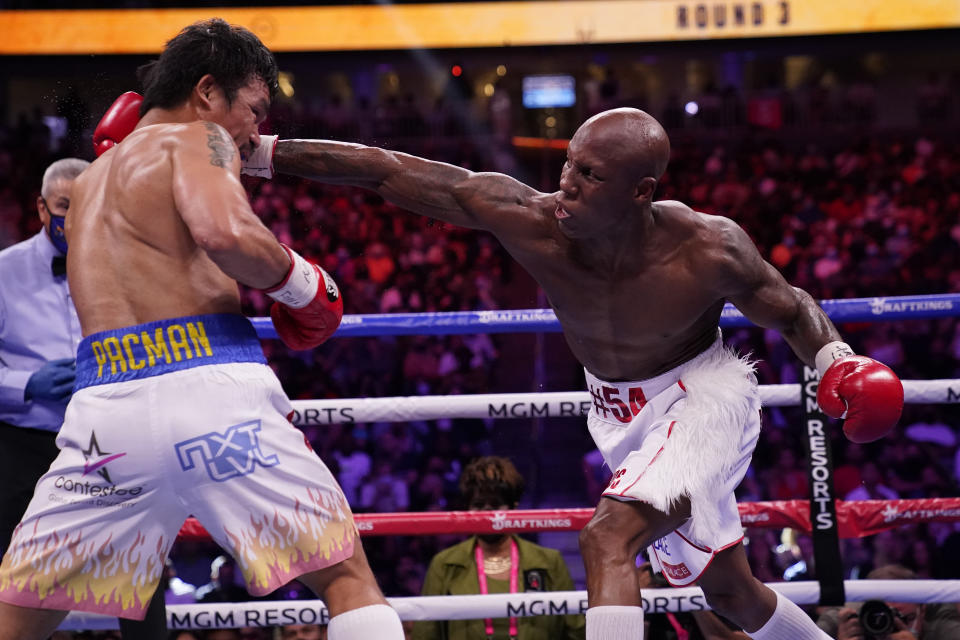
{"x":56,"y":233}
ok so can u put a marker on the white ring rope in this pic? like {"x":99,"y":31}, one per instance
{"x":543,"y":405}
{"x":280,"y":612}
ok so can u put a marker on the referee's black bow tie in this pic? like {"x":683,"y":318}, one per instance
{"x":59,"y":265}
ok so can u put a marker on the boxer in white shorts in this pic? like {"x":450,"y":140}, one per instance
{"x":652,"y":434}
{"x":169,"y":419}
{"x":639,"y":287}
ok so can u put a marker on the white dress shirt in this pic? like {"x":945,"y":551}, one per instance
{"x":38,"y":323}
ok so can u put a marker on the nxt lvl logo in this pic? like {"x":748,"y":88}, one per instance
{"x":95,"y":459}
{"x":231,"y":454}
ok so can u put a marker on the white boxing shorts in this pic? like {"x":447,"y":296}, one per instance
{"x":169,"y":419}
{"x":688,"y":432}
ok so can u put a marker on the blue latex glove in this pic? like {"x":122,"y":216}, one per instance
{"x":53,"y":382}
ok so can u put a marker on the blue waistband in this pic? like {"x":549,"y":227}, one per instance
{"x":160,"y":347}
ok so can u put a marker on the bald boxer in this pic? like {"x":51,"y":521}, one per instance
{"x":175,"y":411}
{"x":639,"y":286}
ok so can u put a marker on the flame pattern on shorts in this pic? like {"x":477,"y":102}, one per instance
{"x":276,"y":549}
{"x":78,"y":571}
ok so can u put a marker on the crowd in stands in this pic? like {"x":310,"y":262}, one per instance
{"x":869,"y":217}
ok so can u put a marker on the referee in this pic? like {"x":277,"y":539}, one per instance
{"x":39,"y":334}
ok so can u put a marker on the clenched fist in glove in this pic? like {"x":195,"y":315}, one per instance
{"x":308,"y":305}
{"x":117,"y":123}
{"x":867,"y":391}
{"x":260,"y":162}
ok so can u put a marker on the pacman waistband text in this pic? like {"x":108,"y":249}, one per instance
{"x":135,"y":350}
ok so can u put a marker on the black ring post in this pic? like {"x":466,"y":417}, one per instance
{"x":823,"y":510}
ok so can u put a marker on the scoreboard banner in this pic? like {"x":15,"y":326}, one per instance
{"x":468,"y":24}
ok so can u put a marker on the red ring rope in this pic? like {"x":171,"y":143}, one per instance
{"x":856,"y":518}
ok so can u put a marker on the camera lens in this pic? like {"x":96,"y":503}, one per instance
{"x":876,"y":617}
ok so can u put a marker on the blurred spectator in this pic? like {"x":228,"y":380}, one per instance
{"x":911,"y":621}
{"x":508,"y":563}
{"x":596,"y":475}
{"x":353,"y":461}
{"x":933,"y":99}
{"x":383,"y":491}
{"x":786,"y":479}
{"x":871,"y":487}
{"x":760,"y":546}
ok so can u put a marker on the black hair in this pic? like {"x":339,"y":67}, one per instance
{"x":491,"y":478}
{"x":230,"y":53}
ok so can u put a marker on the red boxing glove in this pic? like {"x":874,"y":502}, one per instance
{"x":117,"y":123}
{"x":308,"y":305}
{"x":868,"y":391}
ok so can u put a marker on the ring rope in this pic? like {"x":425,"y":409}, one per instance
{"x":673,"y":600}
{"x":544,"y":320}
{"x":542,"y":405}
{"x":855,"y":518}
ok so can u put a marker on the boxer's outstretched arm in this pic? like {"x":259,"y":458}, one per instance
{"x":214,"y":206}
{"x":866,"y":392}
{"x":757,"y":289}
{"x":435,"y":189}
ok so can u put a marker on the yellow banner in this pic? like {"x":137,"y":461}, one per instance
{"x":473,"y":24}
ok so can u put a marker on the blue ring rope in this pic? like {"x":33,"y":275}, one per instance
{"x":544,"y":320}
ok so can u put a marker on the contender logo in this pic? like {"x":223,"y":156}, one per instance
{"x":100,"y":490}
{"x":95,"y":459}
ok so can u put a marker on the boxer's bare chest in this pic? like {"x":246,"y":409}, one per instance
{"x":630,"y":324}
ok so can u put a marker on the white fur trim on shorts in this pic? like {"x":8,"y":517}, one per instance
{"x":693,"y":437}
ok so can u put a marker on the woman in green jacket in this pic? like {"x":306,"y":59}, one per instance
{"x":508,"y":563}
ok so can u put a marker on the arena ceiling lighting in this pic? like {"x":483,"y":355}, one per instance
{"x":469,"y":24}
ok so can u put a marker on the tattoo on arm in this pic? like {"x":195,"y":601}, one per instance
{"x":221,"y":149}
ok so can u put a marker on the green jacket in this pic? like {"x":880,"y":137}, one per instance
{"x":453,"y":571}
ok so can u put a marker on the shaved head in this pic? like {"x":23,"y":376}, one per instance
{"x":633,"y":138}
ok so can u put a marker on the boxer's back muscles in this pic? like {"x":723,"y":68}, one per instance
{"x":162,"y":228}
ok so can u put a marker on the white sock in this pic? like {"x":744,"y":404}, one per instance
{"x":788,"y":622}
{"x":615,"y":623}
{"x":375,"y":621}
